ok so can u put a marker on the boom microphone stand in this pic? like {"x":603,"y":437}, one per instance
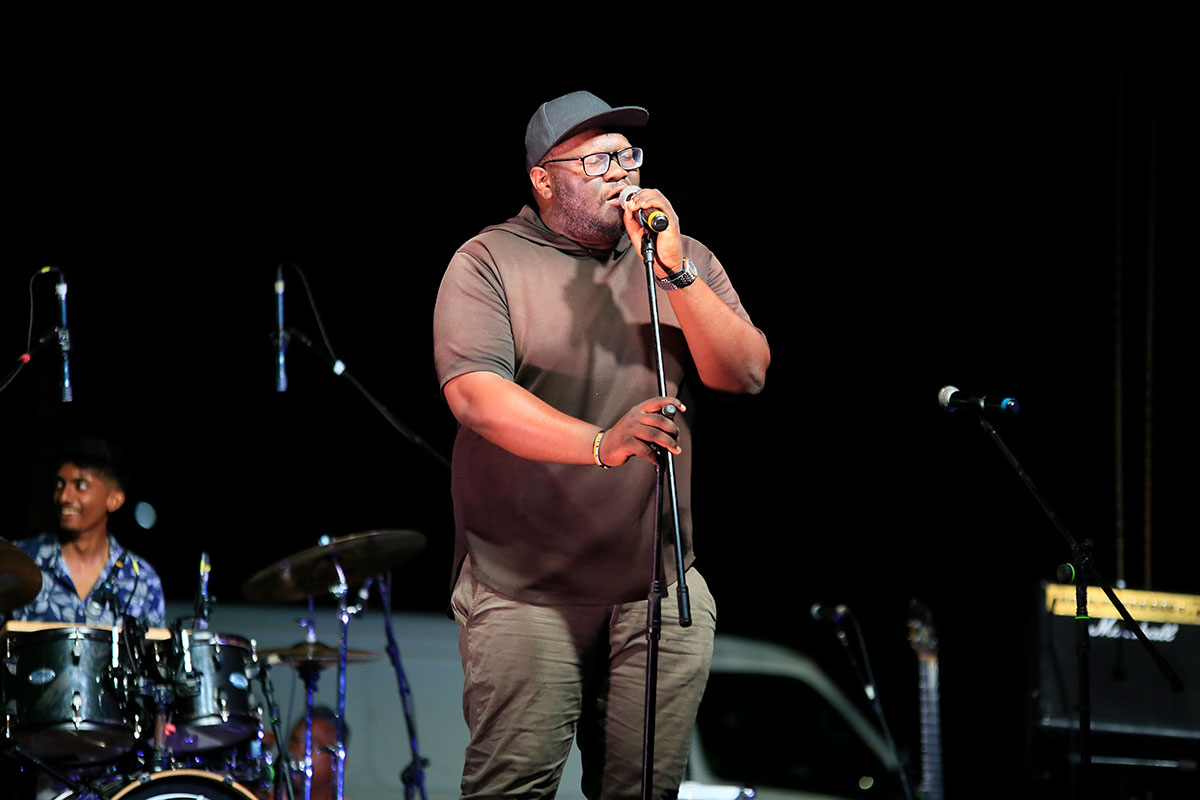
{"x":1082,"y":571}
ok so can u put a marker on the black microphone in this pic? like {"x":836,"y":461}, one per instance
{"x":657,"y":221}
{"x":64,"y":335}
{"x":107,"y":593}
{"x":829,"y":613}
{"x":951,"y":398}
{"x":281,"y":337}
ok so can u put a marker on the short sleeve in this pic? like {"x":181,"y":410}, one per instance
{"x":471,"y":327}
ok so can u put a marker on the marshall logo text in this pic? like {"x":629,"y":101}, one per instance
{"x":1117,"y":629}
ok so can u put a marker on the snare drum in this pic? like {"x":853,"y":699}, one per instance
{"x":212,"y":700}
{"x":65,"y":696}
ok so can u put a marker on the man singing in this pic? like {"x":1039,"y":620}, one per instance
{"x":545,"y":356}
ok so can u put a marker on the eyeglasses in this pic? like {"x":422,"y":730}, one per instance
{"x":596,"y":164}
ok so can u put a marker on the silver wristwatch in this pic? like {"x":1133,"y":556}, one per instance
{"x":686,"y":275}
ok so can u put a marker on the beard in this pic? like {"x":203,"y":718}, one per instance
{"x":583,"y":217}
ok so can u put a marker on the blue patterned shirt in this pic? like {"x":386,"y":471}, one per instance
{"x":137,"y":586}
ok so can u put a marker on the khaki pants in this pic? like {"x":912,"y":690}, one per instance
{"x":538,"y":677}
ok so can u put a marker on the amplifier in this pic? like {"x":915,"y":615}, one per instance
{"x":1129,"y":695}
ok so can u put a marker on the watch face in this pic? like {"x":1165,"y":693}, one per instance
{"x":686,"y":275}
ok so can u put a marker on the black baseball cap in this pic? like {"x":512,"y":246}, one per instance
{"x":561,"y":118}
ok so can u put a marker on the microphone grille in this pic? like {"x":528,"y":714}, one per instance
{"x":627,"y":191}
{"x":945,"y":394}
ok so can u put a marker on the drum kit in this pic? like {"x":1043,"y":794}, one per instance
{"x":133,"y":713}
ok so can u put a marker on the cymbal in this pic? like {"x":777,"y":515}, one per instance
{"x":311,"y":572}
{"x":321,"y":655}
{"x":20,"y":578}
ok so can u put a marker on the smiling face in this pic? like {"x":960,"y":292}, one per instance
{"x":84,"y":498}
{"x":584,"y":208}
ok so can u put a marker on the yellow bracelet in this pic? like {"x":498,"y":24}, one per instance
{"x":596,"y":450}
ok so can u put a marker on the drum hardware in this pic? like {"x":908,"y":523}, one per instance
{"x":331,"y":567}
{"x":311,"y":572}
{"x":76,"y":789}
{"x":182,"y":784}
{"x":283,"y":773}
{"x":316,"y":655}
{"x":211,"y":684}
{"x":76,"y":698}
{"x":66,"y":692}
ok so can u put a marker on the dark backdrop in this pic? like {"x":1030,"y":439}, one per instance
{"x":948,"y":196}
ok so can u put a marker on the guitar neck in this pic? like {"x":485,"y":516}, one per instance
{"x":931,"y":727}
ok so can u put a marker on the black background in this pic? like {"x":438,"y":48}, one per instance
{"x":950,"y":196}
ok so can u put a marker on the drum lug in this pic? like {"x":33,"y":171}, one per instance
{"x":76,"y":705}
{"x":253,"y":669}
{"x":224,"y":706}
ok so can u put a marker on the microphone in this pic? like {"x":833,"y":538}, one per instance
{"x":951,"y":398}
{"x":203,"y":602}
{"x":657,"y":221}
{"x":281,"y":337}
{"x":64,"y":335}
{"x":829,"y":613}
{"x":107,"y":593}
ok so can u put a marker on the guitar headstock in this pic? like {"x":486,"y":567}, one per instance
{"x":921,"y":634}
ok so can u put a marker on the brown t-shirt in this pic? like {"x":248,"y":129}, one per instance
{"x":572,"y":326}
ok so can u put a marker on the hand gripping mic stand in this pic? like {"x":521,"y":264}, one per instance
{"x":1081,"y":570}
{"x":654,"y":610}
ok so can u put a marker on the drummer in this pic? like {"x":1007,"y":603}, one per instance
{"x":88,"y":578}
{"x":324,"y":747}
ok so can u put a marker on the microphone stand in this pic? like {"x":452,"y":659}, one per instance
{"x":412,"y":776}
{"x":1082,"y":571}
{"x":339,"y":368}
{"x":281,"y":752}
{"x":866,"y":679}
{"x":654,"y":598}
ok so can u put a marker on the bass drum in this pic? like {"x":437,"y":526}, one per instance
{"x":183,"y":784}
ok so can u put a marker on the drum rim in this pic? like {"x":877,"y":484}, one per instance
{"x":103,"y":633}
{"x":145,"y":778}
{"x":227,"y":639}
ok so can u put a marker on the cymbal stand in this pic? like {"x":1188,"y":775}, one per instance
{"x":310,"y":673}
{"x":340,"y":590}
{"x":412,"y":776}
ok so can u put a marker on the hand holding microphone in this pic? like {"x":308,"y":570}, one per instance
{"x":649,"y":217}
